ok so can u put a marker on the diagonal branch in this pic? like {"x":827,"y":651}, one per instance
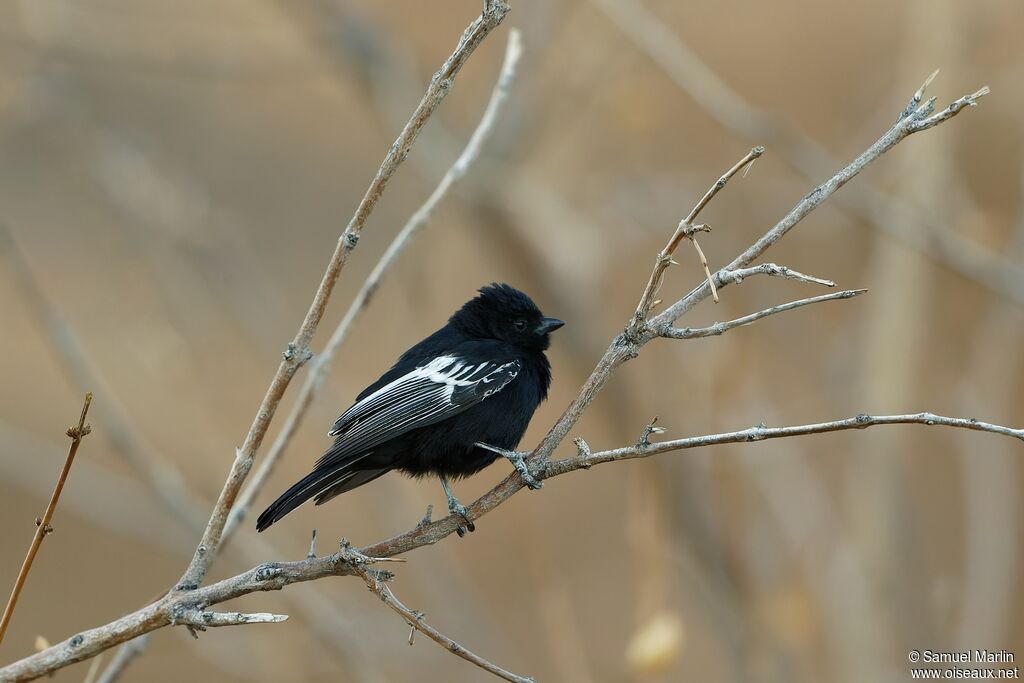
{"x":737,"y":276}
{"x":894,"y":217}
{"x":298,"y":352}
{"x":910,"y":122}
{"x":416,"y":620}
{"x":122,"y":658}
{"x":321,"y":366}
{"x":720,"y":328}
{"x":43,"y":528}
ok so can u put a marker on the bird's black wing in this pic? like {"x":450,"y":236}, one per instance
{"x":423,"y":396}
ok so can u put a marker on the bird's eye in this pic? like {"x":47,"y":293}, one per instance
{"x":519,"y":324}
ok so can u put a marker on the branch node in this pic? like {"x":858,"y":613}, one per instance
{"x":645,"y":436}
{"x":426,"y":518}
{"x":77,"y":433}
{"x":266,"y":572}
{"x":689,"y":230}
{"x":915,"y":100}
{"x":296,"y":354}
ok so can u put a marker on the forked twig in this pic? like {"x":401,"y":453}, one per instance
{"x":685,"y":229}
{"x":720,"y":328}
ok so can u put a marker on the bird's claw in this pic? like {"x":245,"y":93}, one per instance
{"x":518,"y":461}
{"x":457,"y":508}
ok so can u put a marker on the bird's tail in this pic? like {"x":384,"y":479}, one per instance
{"x":322,"y":483}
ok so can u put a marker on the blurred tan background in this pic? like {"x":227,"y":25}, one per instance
{"x":175,"y":176}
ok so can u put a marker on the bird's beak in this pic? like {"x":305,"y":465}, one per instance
{"x":549,"y":325}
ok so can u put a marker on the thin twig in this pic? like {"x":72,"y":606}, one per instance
{"x":704,"y":265}
{"x":94,"y":669}
{"x":202,"y":619}
{"x":725,"y":277}
{"x":719,"y":328}
{"x":762,"y":432}
{"x":43,"y":527}
{"x":416,"y":621}
{"x":421,"y":218}
{"x":685,"y":229}
{"x":122,"y":658}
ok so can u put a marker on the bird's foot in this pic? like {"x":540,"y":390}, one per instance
{"x":518,"y":461}
{"x":457,"y":508}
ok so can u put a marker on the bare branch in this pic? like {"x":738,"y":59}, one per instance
{"x":322,"y":364}
{"x":416,"y":620}
{"x":704,"y":265}
{"x":762,"y":432}
{"x":889,"y":214}
{"x":201,"y":619}
{"x":906,"y":125}
{"x":725,"y":277}
{"x":719,"y":328}
{"x":949,"y":112}
{"x":43,"y":527}
{"x":685,"y":229}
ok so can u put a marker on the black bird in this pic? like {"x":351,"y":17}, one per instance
{"x":450,"y":406}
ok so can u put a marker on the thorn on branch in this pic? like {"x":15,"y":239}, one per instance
{"x":645,"y":436}
{"x":704,"y":264}
{"x":311,"y":555}
{"x":915,"y":100}
{"x":583,"y":452}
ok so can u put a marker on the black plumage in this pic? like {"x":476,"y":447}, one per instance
{"x":477,"y":380}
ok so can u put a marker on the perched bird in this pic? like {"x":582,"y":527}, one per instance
{"x":450,"y":406}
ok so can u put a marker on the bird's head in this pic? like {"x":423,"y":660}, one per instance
{"x":504,"y":313}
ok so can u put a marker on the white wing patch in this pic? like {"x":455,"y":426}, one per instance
{"x":428,"y":394}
